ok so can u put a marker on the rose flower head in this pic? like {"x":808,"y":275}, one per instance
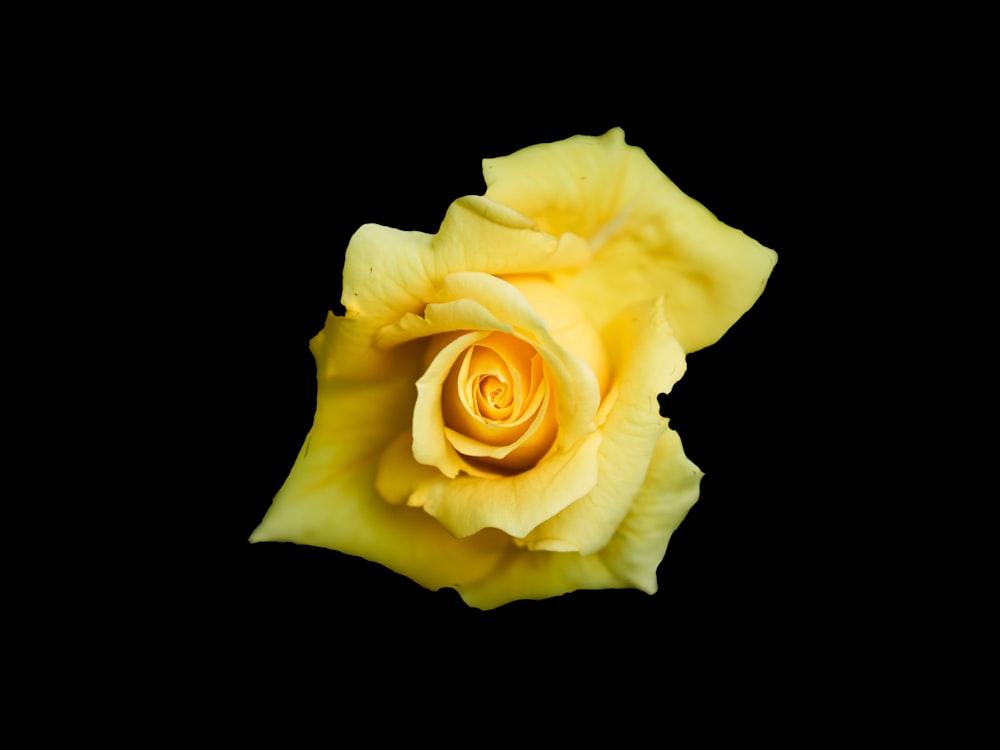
{"x":487,"y":415}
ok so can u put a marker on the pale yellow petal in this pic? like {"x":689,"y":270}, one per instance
{"x":479,"y":234}
{"x":629,"y":561}
{"x":631,"y":558}
{"x":388,"y":272}
{"x":648,"y":238}
{"x":456,"y":315}
{"x":648,"y":361}
{"x":669,"y":490}
{"x":344,"y":349}
{"x":329,"y":499}
{"x":514,"y":504}
{"x":385,"y":274}
{"x":539,"y":575}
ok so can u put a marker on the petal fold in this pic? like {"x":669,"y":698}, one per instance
{"x":389,"y":272}
{"x":669,"y":490}
{"x":514,"y":504}
{"x":648,"y":238}
{"x":648,"y":360}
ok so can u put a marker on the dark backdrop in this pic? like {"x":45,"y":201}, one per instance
{"x":275,"y":162}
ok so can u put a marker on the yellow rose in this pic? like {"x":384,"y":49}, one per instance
{"x":487,"y":415}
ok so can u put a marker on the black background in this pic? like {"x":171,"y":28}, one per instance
{"x":272,"y":161}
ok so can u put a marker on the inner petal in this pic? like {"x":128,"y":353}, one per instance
{"x":487,"y":378}
{"x":497,"y":403}
{"x":494,"y":398}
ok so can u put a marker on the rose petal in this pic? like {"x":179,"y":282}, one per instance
{"x":330,"y":500}
{"x":669,"y":490}
{"x":539,"y":575}
{"x":478,"y":301}
{"x":399,"y":473}
{"x":566,"y":321}
{"x":649,"y":360}
{"x":648,"y":237}
{"x":574,"y":382}
{"x":514,"y":504}
{"x":430,"y":444}
{"x":350,"y":354}
{"x":388,"y":272}
{"x":629,"y":561}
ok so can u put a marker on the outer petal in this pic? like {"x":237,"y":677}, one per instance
{"x":649,"y":362}
{"x":648,"y":238}
{"x":668,"y":492}
{"x":539,"y":575}
{"x":388,"y":272}
{"x":330,"y":500}
{"x":629,"y":561}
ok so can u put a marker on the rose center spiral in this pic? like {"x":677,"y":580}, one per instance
{"x":497,"y":404}
{"x":494,"y":395}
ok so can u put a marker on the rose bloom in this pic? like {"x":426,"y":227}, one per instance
{"x":487,"y":415}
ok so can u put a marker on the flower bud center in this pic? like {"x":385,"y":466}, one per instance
{"x":494,"y":396}
{"x":497,"y":404}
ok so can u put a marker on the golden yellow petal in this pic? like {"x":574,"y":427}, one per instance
{"x":648,"y":238}
{"x":478,"y":301}
{"x":574,"y":382}
{"x":526,"y":435}
{"x":430,"y":443}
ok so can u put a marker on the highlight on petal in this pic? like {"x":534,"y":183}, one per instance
{"x":648,"y":238}
{"x":648,"y":361}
